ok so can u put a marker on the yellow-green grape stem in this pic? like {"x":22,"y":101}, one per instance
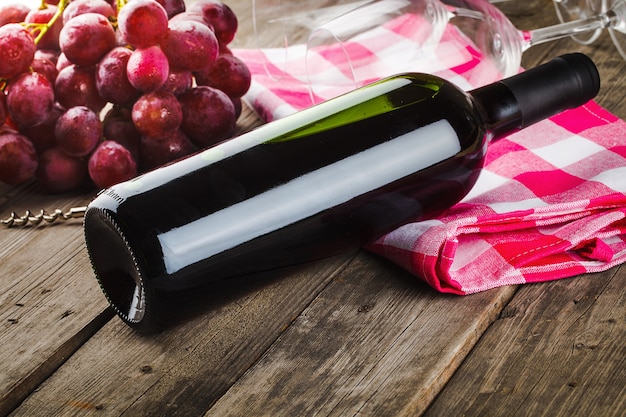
{"x":120,"y":4}
{"x":40,"y":28}
{"x":43,"y":28}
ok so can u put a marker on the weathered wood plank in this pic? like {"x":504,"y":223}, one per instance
{"x":375,"y":342}
{"x":558,"y":349}
{"x":49,"y":304}
{"x":184,"y":369}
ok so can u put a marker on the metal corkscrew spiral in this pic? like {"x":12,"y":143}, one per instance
{"x":29,"y":218}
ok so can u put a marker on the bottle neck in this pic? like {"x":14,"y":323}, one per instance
{"x":519,"y":101}
{"x":500,"y":109}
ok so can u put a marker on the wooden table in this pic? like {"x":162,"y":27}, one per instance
{"x":353,"y":335}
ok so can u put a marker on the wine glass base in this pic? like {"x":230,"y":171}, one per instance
{"x":569,"y":10}
{"x":618,"y":31}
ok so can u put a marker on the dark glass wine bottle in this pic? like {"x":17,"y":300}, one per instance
{"x":325,"y":180}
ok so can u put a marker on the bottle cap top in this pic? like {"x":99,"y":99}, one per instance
{"x":583,"y":71}
{"x":566,"y":82}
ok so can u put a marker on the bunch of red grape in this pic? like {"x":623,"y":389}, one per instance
{"x":97,"y":91}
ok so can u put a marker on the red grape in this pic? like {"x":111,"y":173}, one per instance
{"x":86,"y":38}
{"x":49,"y":54}
{"x":178,"y":82}
{"x":78,"y":131}
{"x":13,"y":13}
{"x":218,"y":15}
{"x":18,"y":157}
{"x":46,"y":68}
{"x":110,"y":164}
{"x":59,"y":172}
{"x":30,"y":98}
{"x":42,"y":134}
{"x":142,"y":23}
{"x":157,"y":114}
{"x":77,"y":7}
{"x":208,"y":115}
{"x":17,"y":50}
{"x":190,"y":46}
{"x":228,"y":73}
{"x":119,"y":127}
{"x":147,"y":69}
{"x":173,"y":7}
{"x":155,"y":153}
{"x":51,"y":39}
{"x":3,"y":109}
{"x":192,"y":16}
{"x":163,"y":69}
{"x":237,"y":102}
{"x":62,"y":62}
{"x":112,"y":79}
{"x":76,"y":86}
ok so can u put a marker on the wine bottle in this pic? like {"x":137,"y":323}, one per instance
{"x":324,"y":180}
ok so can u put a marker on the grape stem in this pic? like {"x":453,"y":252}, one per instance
{"x":120,"y":4}
{"x":42,"y":28}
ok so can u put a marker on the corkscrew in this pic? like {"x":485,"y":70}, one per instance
{"x":43,"y":216}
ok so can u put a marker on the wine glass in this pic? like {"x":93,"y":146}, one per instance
{"x":497,"y":41}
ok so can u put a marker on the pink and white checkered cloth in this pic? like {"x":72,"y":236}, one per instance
{"x":549,"y":204}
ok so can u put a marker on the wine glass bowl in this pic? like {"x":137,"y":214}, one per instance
{"x":334,"y":65}
{"x":379,"y":38}
{"x":498,"y":43}
{"x":279,"y":26}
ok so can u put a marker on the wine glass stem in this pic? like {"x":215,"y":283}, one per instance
{"x":562,"y":30}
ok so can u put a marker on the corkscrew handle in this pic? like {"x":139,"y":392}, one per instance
{"x":34,"y":219}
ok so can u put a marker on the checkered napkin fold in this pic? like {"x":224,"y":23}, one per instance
{"x":550,"y":202}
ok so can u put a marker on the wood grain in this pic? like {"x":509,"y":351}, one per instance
{"x":557,"y":350}
{"x":353,"y":335}
{"x":184,"y":369}
{"x":49,"y":304}
{"x":375,"y":342}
